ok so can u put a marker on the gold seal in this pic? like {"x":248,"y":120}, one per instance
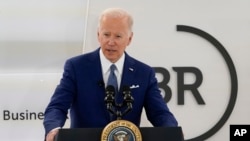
{"x":121,"y":130}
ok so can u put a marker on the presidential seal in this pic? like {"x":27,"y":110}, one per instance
{"x":121,"y":130}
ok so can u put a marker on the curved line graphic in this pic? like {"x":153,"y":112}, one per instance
{"x":233,"y":75}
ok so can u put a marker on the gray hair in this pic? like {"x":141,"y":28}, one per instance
{"x":117,"y":13}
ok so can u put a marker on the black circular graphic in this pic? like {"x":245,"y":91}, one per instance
{"x":233,"y":76}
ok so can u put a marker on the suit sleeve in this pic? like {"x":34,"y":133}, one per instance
{"x":56,"y":112}
{"x":156,"y":108}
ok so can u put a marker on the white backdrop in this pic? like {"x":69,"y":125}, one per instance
{"x":36,"y":37}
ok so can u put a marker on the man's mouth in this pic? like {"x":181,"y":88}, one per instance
{"x":111,"y":50}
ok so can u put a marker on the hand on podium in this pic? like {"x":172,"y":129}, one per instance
{"x":51,"y":135}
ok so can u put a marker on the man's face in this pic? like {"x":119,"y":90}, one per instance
{"x":114,"y":36}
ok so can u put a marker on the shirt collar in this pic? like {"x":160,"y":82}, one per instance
{"x":106,"y":63}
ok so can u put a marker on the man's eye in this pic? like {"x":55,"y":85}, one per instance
{"x":106,"y":34}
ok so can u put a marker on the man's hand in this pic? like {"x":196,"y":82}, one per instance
{"x":51,"y":135}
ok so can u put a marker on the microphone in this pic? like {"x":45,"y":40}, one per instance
{"x":128,"y":99}
{"x":111,"y":104}
{"x":109,"y":98}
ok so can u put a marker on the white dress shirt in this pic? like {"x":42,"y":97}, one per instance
{"x":106,"y":68}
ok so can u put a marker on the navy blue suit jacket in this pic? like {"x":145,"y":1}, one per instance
{"x":81,"y":90}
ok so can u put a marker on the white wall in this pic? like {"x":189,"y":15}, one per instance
{"x":36,"y":37}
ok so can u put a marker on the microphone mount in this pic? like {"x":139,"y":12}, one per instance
{"x":115,"y":108}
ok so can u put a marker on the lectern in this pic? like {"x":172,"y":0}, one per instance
{"x":148,"y":134}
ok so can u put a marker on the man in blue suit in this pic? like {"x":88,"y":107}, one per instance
{"x":82,"y":87}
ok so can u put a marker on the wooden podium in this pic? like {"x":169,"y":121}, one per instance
{"x":148,"y":134}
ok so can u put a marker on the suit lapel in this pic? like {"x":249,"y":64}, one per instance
{"x":95,"y":65}
{"x":129,"y":70}
{"x":96,"y":73}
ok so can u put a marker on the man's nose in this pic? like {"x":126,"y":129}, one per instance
{"x":111,"y":41}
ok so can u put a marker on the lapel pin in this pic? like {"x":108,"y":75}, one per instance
{"x":131,"y":69}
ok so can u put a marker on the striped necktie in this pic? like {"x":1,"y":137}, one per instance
{"x":112,"y":80}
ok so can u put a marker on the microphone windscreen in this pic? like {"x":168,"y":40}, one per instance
{"x":110,"y":88}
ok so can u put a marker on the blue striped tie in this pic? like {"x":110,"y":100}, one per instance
{"x":112,"y":80}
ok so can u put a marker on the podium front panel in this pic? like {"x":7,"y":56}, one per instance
{"x":94,"y":134}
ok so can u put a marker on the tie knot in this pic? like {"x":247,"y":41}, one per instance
{"x":112,"y":68}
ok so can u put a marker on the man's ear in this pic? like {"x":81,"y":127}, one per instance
{"x":130,"y":38}
{"x":98,"y":35}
